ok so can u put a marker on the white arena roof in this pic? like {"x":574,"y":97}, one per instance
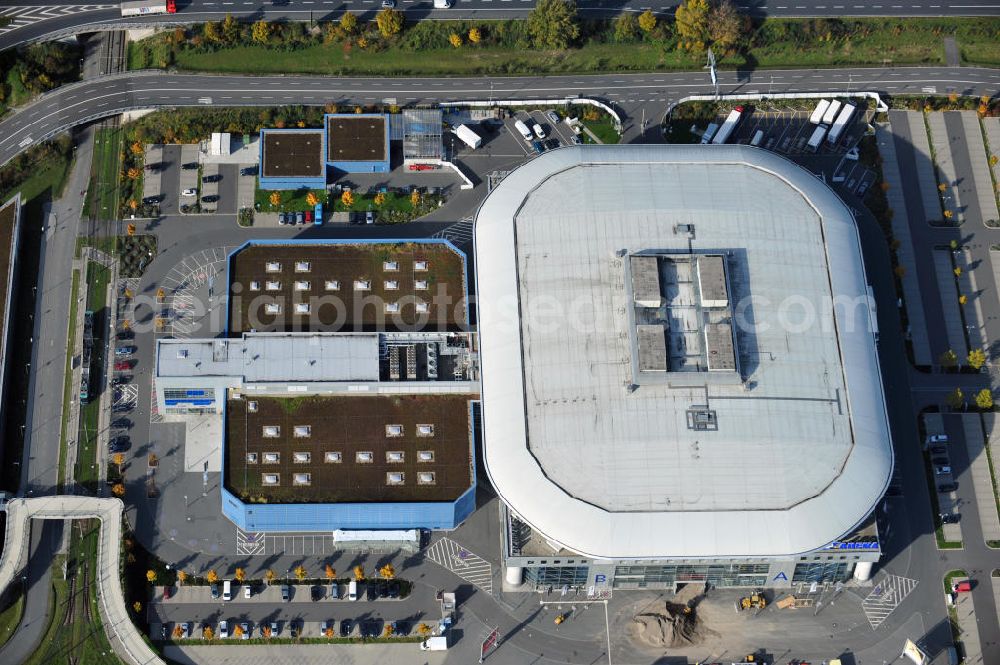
{"x":798,"y":451}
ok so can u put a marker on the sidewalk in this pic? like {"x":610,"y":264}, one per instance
{"x":924,"y":166}
{"x":985,"y":194}
{"x":945,"y":166}
{"x":949,"y":303}
{"x":901,"y":232}
{"x":970,"y":631}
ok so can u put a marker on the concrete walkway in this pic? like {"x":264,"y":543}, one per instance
{"x":945,"y":167}
{"x":970,"y":631}
{"x":954,"y":325}
{"x":924,"y":163}
{"x":975,"y":444}
{"x":979,"y":162}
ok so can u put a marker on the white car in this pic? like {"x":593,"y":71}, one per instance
{"x":388,"y":4}
{"x":247,"y":591}
{"x":539,"y":132}
{"x":189,"y":192}
{"x":223,"y":629}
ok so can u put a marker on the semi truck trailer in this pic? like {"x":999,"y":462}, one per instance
{"x":728,"y":126}
{"x":468,"y":136}
{"x":844,"y":117}
{"x":148,"y":7}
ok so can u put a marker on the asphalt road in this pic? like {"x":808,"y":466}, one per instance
{"x":89,"y":100}
{"x":42,"y":19}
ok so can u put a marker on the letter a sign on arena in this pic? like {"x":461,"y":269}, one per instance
{"x":490,"y":643}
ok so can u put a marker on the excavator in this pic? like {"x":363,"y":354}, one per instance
{"x":755,"y":600}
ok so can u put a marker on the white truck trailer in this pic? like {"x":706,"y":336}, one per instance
{"x":438,"y":643}
{"x":840,"y":123}
{"x":148,"y":7}
{"x":817,"y":137}
{"x":468,"y":136}
{"x":819,"y":111}
{"x":728,"y":126}
{"x":831,"y":113}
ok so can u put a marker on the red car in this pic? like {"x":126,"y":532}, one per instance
{"x":122,"y":365}
{"x":309,"y":217}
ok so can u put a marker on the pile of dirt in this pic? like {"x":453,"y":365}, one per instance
{"x":677,"y":625}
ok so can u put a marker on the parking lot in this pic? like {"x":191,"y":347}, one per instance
{"x":177,"y":178}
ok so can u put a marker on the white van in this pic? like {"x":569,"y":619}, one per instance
{"x":442,"y":4}
{"x":539,"y":132}
{"x":523,"y":129}
{"x":227,"y":590}
{"x":352,"y":590}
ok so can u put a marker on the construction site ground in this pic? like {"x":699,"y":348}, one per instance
{"x":834,"y":624}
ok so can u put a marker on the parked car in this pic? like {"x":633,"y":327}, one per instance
{"x":938,"y":450}
{"x":185,"y":630}
{"x":937,"y":438}
{"x":316,"y":592}
{"x":950,"y":518}
{"x":383,"y":589}
{"x":334,"y":591}
{"x":152,"y":199}
{"x":324,"y":626}
{"x":537,"y":129}
{"x":125,"y":334}
{"x":124,"y":350}
{"x":369,"y":217}
{"x":401,"y":628}
{"x":223,"y":628}
{"x":275,"y":629}
{"x":122,"y":407}
{"x":282,"y":219}
{"x":300,"y":218}
{"x":123,"y":365}
{"x":189,"y":166}
{"x":295,"y":627}
{"x":285,"y":592}
{"x":947,"y":487}
{"x":211,"y":178}
{"x":247,"y":590}
{"x":309,"y":216}
{"x":121,"y":423}
{"x":942,"y":470}
{"x":215,"y":590}
{"x":167,"y":592}
{"x":576,"y":140}
{"x":246,"y":628}
{"x":346,"y":627}
{"x":370,"y":591}
{"x":372,"y":628}
{"x":388,"y":4}
{"x":119,"y":444}
{"x":121,"y":380}
{"x":211,"y":198}
{"x":553,"y":117}
{"x":249,"y":170}
{"x":941,"y":460}
{"x":394,"y":589}
{"x":189,"y":192}
{"x":552,"y":144}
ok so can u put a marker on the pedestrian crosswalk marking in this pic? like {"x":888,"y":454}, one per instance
{"x":885,"y":597}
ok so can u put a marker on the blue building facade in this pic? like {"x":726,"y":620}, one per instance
{"x":301,"y":172}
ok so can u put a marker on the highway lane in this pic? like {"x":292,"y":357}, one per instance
{"x":80,"y":102}
{"x":42,"y":19}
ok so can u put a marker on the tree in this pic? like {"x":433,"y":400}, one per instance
{"x":212,"y":576}
{"x":181,"y":576}
{"x":275,"y":198}
{"x":379,"y":198}
{"x":267,"y":631}
{"x":137,"y":606}
{"x":389,"y":22}
{"x":118,"y":490}
{"x":347,"y":198}
{"x":230,"y":29}
{"x":553,"y":24}
{"x":150,"y":576}
{"x":133,"y":173}
{"x":130,"y":229}
{"x":329,"y":572}
{"x":423,"y":630}
{"x":415,"y":198}
{"x":359,"y":573}
{"x":948,"y":359}
{"x":311,"y":198}
{"x":957,"y":271}
{"x":237,"y":630}
{"x":900,"y":271}
{"x":211,"y":32}
{"x":136,"y":148}
{"x":349,"y":23}
{"x":269,"y":575}
{"x":955,"y":399}
{"x":152,"y":459}
{"x":300,"y":573}
{"x":647,"y":21}
{"x":208,"y":633}
{"x":387,"y":571}
{"x":948,"y":214}
{"x":240,"y":575}
{"x":953,"y":244}
{"x":626,"y":27}
{"x":328,"y":632}
{"x":942,"y":187}
{"x":726,"y":26}
{"x":455,"y":39}
{"x":984,"y":399}
{"x":475,"y":35}
{"x":691,"y":19}
{"x":962,"y":299}
{"x":178,"y":632}
{"x":119,"y":460}
{"x":976,"y":359}
{"x":261,"y":31}
{"x":388,"y":630}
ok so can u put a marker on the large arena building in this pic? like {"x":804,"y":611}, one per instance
{"x":680,"y":380}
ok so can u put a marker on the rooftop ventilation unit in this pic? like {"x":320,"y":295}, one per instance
{"x":302,"y":479}
{"x":272,"y":266}
{"x":362,"y":284}
{"x":271,"y":431}
{"x":425,"y":430}
{"x":302,"y":266}
{"x":365,"y":458}
{"x":394,"y":456}
{"x":422,"y":308}
{"x":394,"y":430}
{"x":272,"y":308}
{"x":332,"y":457}
{"x":272,"y":285}
{"x":392,"y":307}
{"x":302,"y":458}
{"x":420,"y":285}
{"x":390,"y":265}
{"x":332,"y":285}
{"x":420,"y":265}
{"x":272,"y":458}
{"x":391,"y":285}
{"x":251,"y":458}
{"x":302,"y":308}
{"x":302,"y":285}
{"x":394,"y":478}
{"x":425,"y":478}
{"x":270,"y":478}
{"x":425,"y":456}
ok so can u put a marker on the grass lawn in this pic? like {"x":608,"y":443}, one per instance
{"x":102,"y":192}
{"x":68,"y":376}
{"x":107,"y":244}
{"x":10,"y":618}
{"x":86,"y":472}
{"x":603,"y":129}
{"x":51,"y":175}
{"x":75,"y":633}
{"x":292,"y":200}
{"x":867,"y":42}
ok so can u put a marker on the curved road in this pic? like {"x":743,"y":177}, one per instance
{"x":89,"y":100}
{"x":40,"y":19}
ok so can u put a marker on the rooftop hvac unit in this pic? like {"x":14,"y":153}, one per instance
{"x":425,"y":430}
{"x":272,"y":285}
{"x":303,"y":479}
{"x":392,"y":307}
{"x":394,"y":478}
{"x":394,"y":430}
{"x":394,"y":456}
{"x":426,"y":456}
{"x":272,"y":458}
{"x":332,"y":285}
{"x":270,"y":479}
{"x":362,"y":284}
{"x":390,"y":265}
{"x":425,"y":478}
{"x":422,"y":308}
{"x":420,"y":285}
{"x":251,"y":458}
{"x":365,"y":458}
{"x":272,"y":266}
{"x":301,"y":458}
{"x":252,"y":406}
{"x":333,"y":457}
{"x":272,"y":431}
{"x":391,"y":285}
{"x":302,"y":266}
{"x":420,"y":265}
{"x":272,"y":308}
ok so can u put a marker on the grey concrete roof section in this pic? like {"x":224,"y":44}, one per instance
{"x":273,"y":357}
{"x":124,"y":637}
{"x":610,"y":469}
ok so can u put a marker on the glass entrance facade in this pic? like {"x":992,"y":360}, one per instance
{"x":666,"y":577}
